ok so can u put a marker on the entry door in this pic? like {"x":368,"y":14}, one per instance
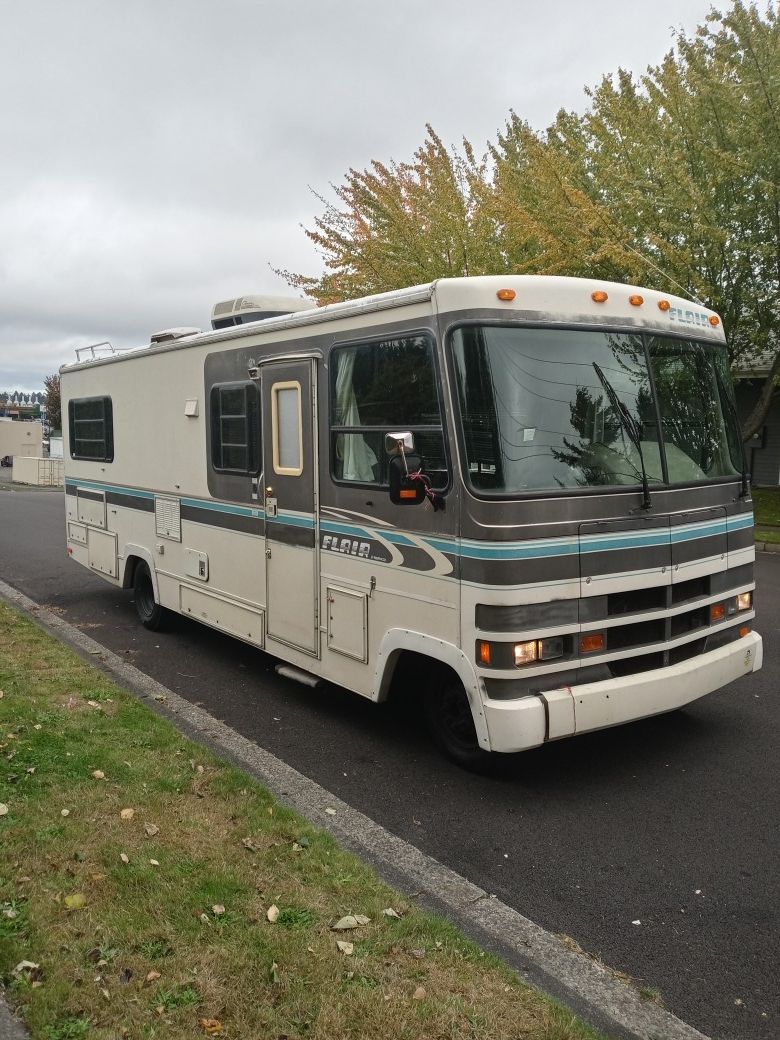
{"x":290,"y":491}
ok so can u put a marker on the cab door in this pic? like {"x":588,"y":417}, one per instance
{"x":290,"y":467}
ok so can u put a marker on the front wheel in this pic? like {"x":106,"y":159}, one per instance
{"x":451,"y":725}
{"x":150,"y":613}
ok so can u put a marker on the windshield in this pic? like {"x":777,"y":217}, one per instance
{"x":538,"y":409}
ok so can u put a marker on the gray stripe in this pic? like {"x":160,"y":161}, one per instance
{"x":699,"y":549}
{"x":226,"y":521}
{"x":290,"y":535}
{"x":619,"y":561}
{"x":116,"y":498}
{"x":520,"y":572}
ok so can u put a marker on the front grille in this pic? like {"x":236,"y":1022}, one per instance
{"x":624,"y":636}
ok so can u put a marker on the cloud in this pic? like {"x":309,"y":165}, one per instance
{"x":158,"y":156}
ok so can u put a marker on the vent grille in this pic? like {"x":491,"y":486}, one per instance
{"x":167,"y":517}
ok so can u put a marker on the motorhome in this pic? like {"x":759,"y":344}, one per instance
{"x":526,"y":495}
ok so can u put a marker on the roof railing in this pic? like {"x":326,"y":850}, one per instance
{"x":95,"y":350}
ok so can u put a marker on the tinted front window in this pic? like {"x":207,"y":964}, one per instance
{"x":378,"y":388}
{"x":695,"y":398}
{"x":543,"y":409}
{"x":536,"y":414}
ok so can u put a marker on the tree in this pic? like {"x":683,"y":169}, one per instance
{"x":51,"y":386}
{"x":671,"y":181}
{"x":400,"y":224}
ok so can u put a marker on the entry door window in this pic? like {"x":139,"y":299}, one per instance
{"x":287,"y":429}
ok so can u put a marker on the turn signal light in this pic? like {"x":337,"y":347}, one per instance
{"x":484,"y":652}
{"x":599,"y":296}
{"x":636,"y":300}
{"x":664,"y":305}
{"x":591,"y":642}
{"x":506,"y":294}
{"x":717,"y":611}
{"x":744,"y":631}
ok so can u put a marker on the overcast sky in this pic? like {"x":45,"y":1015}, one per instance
{"x":158,"y":155}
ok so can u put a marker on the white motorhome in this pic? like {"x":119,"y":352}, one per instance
{"x":529,"y":490}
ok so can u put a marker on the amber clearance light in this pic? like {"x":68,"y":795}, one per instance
{"x":664,"y":305}
{"x":599,"y":296}
{"x":506,"y":294}
{"x":636,"y":300}
{"x":590,"y":643}
{"x":714,"y":320}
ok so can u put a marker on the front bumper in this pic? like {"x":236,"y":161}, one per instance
{"x":531,"y":721}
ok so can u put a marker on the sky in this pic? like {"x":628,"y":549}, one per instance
{"x":157,"y":156}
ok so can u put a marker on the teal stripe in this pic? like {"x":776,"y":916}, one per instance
{"x":526,"y":550}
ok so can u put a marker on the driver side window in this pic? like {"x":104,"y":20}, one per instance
{"x":381,"y":387}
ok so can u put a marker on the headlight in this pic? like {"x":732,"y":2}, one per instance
{"x":744,"y":601}
{"x":538,"y":650}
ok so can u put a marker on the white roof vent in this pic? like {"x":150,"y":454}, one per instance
{"x":244,"y":309}
{"x":167,"y":335}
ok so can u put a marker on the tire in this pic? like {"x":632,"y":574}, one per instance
{"x":150,"y":613}
{"x":451,"y":725}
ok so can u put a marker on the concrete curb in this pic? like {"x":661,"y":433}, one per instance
{"x":585,"y":986}
{"x":10,"y":1026}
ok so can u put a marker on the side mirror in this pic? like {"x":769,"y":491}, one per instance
{"x":395,"y":442}
{"x":404,"y":491}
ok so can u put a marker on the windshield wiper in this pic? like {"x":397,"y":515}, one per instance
{"x":725,"y":395}
{"x":632,"y":428}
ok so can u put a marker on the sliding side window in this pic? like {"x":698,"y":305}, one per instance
{"x":91,"y":429}
{"x":383,"y":387}
{"x":235,"y":428}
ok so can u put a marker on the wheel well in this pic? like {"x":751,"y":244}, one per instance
{"x":408,"y":667}
{"x":131,"y":566}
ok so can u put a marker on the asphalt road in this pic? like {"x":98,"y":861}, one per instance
{"x":672,"y":822}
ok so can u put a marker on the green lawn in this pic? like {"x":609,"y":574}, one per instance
{"x":157,"y":892}
{"x":766,"y":506}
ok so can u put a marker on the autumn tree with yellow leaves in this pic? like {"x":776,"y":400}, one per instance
{"x":669,"y":180}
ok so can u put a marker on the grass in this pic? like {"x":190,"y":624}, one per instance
{"x":154,"y":923}
{"x":766,"y":506}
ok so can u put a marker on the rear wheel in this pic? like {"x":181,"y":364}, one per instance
{"x":150,"y":613}
{"x":451,"y":724}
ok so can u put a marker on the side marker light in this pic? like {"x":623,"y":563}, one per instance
{"x":506,"y":294}
{"x":599,"y":296}
{"x":591,"y":642}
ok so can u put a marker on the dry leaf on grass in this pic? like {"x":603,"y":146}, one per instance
{"x":272,"y":913}
{"x":154,"y":862}
{"x":389,"y":912}
{"x":124,"y":857}
{"x":127,"y":814}
{"x":3,"y":809}
{"x":212,"y":1026}
{"x":351,"y":921}
{"x":64,"y":812}
{"x":151,"y":829}
{"x":419,"y":994}
{"x":151,"y":977}
{"x":347,"y":948}
{"x":75,"y":901}
{"x":98,"y":774}
{"x":218,"y":909}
